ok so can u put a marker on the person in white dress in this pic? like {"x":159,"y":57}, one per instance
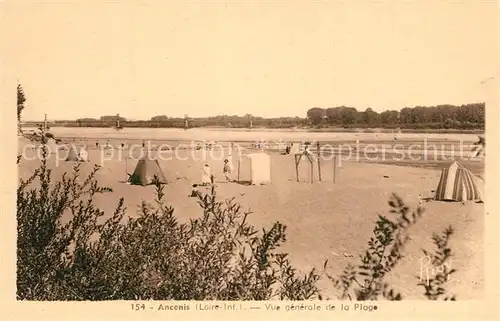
{"x":206,"y":177}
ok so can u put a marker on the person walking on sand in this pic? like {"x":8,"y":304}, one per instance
{"x":227,"y":170}
{"x":307,"y":149}
{"x":206,"y":177}
{"x":480,"y":147}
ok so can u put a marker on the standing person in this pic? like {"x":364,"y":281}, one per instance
{"x":194,"y":191}
{"x":307,"y":149}
{"x":227,"y":170}
{"x":480,"y":146}
{"x":206,"y":177}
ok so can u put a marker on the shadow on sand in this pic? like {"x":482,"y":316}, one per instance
{"x":244,"y":183}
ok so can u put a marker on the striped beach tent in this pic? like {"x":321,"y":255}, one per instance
{"x":457,"y":184}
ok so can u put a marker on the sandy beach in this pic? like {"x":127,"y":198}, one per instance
{"x":326,"y":220}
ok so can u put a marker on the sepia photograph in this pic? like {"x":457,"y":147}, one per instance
{"x":278,"y":151}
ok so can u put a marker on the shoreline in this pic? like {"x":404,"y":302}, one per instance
{"x":289,"y":130}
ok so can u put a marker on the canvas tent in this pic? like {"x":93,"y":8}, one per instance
{"x":295,"y":149}
{"x":76,"y":154}
{"x":255,"y":168}
{"x":457,"y":184}
{"x":145,"y":172}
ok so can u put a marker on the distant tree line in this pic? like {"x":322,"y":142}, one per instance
{"x":470,"y":116}
{"x":163,"y":121}
{"x":464,"y":117}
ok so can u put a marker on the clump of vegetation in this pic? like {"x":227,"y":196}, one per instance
{"x":440,"y":262}
{"x":40,"y":135}
{"x":21,"y":100}
{"x":385,"y":250}
{"x":67,"y":250}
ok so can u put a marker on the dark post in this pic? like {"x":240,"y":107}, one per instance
{"x":319,"y":163}
{"x":297,"y":165}
{"x":239,"y":161}
{"x":334,"y":168}
{"x":126,"y":167}
{"x":312,"y":170}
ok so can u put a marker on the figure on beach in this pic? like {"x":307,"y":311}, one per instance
{"x":206,"y":177}
{"x":307,"y":149}
{"x":194,"y":191}
{"x":227,"y":170}
{"x":480,"y":147}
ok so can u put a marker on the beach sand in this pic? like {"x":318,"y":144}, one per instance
{"x":325,"y":220}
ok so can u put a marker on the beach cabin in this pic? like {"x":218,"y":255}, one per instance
{"x":458,"y":184}
{"x":255,"y":169}
{"x":295,"y":149}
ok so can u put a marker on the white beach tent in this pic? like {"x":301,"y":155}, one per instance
{"x":255,"y":168}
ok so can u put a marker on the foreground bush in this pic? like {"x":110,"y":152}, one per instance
{"x":218,"y":256}
{"x":366,"y":281}
{"x":67,"y":251}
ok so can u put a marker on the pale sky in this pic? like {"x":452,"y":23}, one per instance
{"x":267,"y":58}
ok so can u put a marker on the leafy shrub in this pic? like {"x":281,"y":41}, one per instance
{"x":218,"y":256}
{"x":40,"y":135}
{"x":434,"y":285}
{"x":385,"y":251}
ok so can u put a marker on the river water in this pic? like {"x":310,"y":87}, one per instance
{"x":198,"y":134}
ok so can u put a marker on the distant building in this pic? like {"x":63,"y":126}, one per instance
{"x":111,"y":119}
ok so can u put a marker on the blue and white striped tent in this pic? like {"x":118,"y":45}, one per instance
{"x":457,"y":184}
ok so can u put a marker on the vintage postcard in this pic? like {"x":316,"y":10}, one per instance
{"x":249,"y":159}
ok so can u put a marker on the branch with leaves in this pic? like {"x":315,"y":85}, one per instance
{"x":434,"y":278}
{"x":385,"y":249}
{"x":21,"y":99}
